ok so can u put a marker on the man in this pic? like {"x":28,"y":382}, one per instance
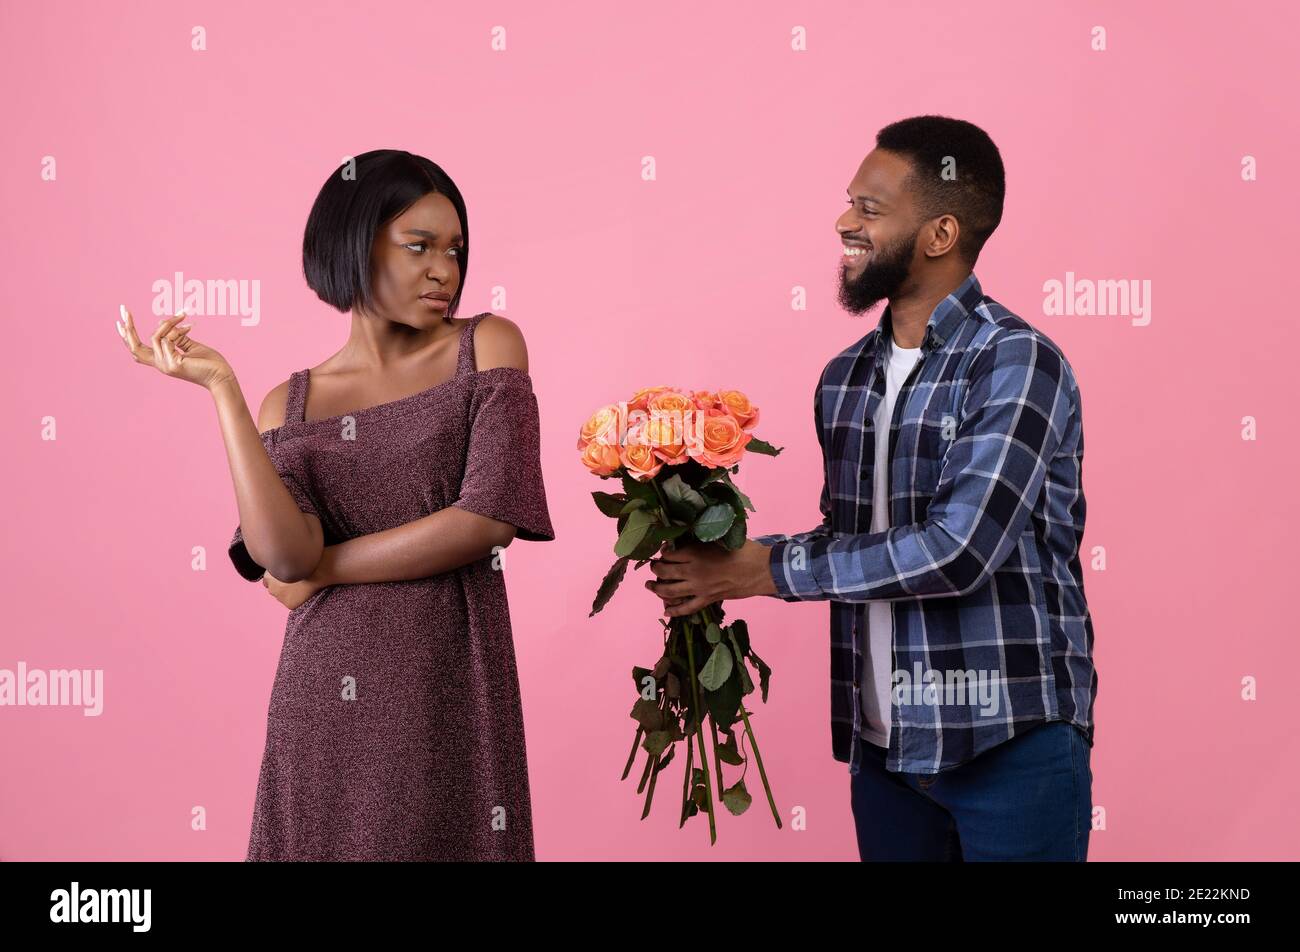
{"x":962,"y":682}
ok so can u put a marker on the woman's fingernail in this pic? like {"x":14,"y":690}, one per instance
{"x":121,"y":309}
{"x":120,"y":329}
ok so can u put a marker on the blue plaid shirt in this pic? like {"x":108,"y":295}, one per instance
{"x":981,"y":560}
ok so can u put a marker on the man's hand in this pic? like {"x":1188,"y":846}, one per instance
{"x":697,"y":575}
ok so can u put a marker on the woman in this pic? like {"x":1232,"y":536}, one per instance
{"x":376,"y":500}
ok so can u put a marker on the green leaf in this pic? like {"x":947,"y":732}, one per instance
{"x":656,"y":742}
{"x":717,"y":669}
{"x":638,"y":524}
{"x":737,"y":535}
{"x":744,"y":500}
{"x":637,"y":489}
{"x":728,"y":753}
{"x":755,"y":445}
{"x":724,"y":703}
{"x":713,"y":523}
{"x":609,"y":585}
{"x":764,"y":673}
{"x":609,"y":503}
{"x":683,"y":501}
{"x":737,"y":798}
{"x":746,"y":682}
{"x":654,"y":540}
{"x":647,"y":714}
{"x":665,"y":761}
{"x":741,"y":632}
{"x":713,"y":634}
{"x":632,"y":505}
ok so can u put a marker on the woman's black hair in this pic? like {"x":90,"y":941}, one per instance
{"x":357,"y":199}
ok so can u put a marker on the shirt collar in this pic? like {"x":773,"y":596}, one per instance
{"x":943,"y":321}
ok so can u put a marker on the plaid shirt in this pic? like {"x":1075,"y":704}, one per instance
{"x":981,"y":560}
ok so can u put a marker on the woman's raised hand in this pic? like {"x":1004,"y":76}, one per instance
{"x":172,"y":351}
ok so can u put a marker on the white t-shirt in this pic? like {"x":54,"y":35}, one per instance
{"x":878,"y":674}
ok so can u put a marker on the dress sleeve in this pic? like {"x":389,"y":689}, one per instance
{"x":503,"y":467}
{"x":239,"y":555}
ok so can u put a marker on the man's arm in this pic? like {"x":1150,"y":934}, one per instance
{"x":1016,"y":410}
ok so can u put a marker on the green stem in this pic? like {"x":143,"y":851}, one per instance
{"x":758,"y":758}
{"x":636,"y":742}
{"x":686,"y":786}
{"x":650,"y":793}
{"x":717,"y":761}
{"x":699,"y":726}
{"x":645,"y":774}
{"x":753,"y":741}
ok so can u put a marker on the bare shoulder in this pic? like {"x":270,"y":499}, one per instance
{"x":498,"y":342}
{"x":273,"y":406}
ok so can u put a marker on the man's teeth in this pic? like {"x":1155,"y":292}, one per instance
{"x":854,"y":252}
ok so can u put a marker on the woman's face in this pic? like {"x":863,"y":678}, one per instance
{"x":415,"y":263}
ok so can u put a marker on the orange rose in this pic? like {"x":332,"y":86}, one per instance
{"x":664,"y":435}
{"x":638,"y":456}
{"x":738,"y":405}
{"x":601,"y":458}
{"x":642,"y":397}
{"x":602,"y":426}
{"x":723,"y":442}
{"x":672,"y":403}
{"x":705,"y":399}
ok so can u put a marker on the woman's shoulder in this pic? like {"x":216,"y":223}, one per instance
{"x":498,"y":342}
{"x":274,"y":405}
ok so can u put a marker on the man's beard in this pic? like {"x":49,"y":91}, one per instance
{"x":881,"y":277}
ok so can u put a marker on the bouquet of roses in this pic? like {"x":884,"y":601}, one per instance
{"x":675,"y":453}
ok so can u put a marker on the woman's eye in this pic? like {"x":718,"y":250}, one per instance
{"x":419,"y":246}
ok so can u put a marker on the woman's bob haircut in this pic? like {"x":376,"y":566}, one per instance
{"x":357,"y":199}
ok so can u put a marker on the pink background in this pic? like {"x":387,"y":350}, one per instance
{"x":1123,"y":164}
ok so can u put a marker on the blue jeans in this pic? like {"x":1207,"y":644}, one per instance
{"x":1029,"y":798}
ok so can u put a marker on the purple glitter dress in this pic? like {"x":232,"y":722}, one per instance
{"x":395,"y":730}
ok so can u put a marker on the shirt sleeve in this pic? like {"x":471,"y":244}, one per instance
{"x":239,"y":555}
{"x":821,"y":531}
{"x":503,"y":466}
{"x":1020,"y":400}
